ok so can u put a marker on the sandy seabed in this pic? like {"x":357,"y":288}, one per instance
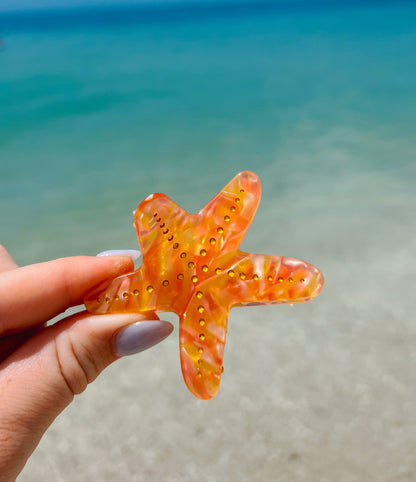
{"x":323,"y":391}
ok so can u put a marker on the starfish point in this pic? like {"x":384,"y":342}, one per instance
{"x":193,"y":267}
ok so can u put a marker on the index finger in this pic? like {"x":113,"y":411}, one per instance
{"x":6,"y":261}
{"x":34,"y":294}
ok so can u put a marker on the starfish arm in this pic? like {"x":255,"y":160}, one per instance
{"x":158,"y":221}
{"x":128,"y":293}
{"x":202,"y":332}
{"x":105,"y":298}
{"x":227,"y":217}
{"x":265,"y":279}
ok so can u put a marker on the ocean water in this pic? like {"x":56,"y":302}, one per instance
{"x":99,"y":108}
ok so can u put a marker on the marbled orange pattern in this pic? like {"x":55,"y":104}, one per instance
{"x":193,"y":267}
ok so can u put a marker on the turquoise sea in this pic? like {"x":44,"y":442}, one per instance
{"x":101,"y":107}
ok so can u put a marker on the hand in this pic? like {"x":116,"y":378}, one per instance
{"x":43,"y":367}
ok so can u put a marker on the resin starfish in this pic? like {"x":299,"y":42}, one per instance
{"x":193,"y":267}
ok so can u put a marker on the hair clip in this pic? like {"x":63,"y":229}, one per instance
{"x":193,"y":267}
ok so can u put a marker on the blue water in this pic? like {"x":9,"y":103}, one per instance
{"x":99,"y":108}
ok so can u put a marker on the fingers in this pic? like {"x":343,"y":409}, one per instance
{"x":6,"y":261}
{"x":41,"y":377}
{"x":33,"y":294}
{"x":9,"y":343}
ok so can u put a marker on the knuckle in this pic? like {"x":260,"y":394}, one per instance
{"x":71,"y":366}
{"x":80,"y":360}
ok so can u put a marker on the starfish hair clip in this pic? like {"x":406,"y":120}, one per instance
{"x":192,"y":266}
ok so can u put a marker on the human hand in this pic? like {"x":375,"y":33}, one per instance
{"x":42,"y":368}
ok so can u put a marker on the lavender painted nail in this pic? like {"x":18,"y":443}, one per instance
{"x":140,"y":336}
{"x":131,"y":253}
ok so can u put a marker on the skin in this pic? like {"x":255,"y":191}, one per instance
{"x":42,"y":368}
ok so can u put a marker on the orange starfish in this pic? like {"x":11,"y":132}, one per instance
{"x":193,"y":267}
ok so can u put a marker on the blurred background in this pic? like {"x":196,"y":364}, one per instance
{"x":103,"y":104}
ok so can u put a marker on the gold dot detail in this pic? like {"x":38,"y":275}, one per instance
{"x":183,"y":255}
{"x":201,"y":309}
{"x":279,"y":279}
{"x":242,"y":276}
{"x":170,"y":237}
{"x":202,"y":322}
{"x":199,"y":375}
{"x":270,"y":278}
{"x":149,"y":289}
{"x":212,"y":241}
{"x":165,"y":282}
{"x":302,"y":280}
{"x":180,"y":276}
{"x":255,"y":277}
{"x":200,"y":350}
{"x":199,"y":294}
{"x":107,"y":300}
{"x":116,"y":297}
{"x":125,"y":296}
{"x":237,"y":200}
{"x":233,"y":209}
{"x":203,"y":252}
{"x":290,"y":280}
{"x":162,"y":225}
{"x":231,"y":273}
{"x":136,"y":292}
{"x":218,"y":270}
{"x":220,"y":230}
{"x":204,"y":268}
{"x":176,"y":246}
{"x":191,"y":264}
{"x":227,"y":219}
{"x":202,"y":337}
{"x":194,"y":279}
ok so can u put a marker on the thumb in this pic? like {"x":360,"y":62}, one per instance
{"x":42,"y":377}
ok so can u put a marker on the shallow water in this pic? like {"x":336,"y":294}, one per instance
{"x":97,"y":114}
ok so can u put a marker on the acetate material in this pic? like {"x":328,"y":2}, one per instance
{"x":193,"y":267}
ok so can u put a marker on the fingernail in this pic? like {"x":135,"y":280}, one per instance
{"x":131,"y":253}
{"x":140,"y":336}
